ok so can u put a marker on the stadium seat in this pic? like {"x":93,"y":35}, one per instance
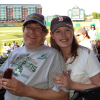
{"x":2,"y":60}
{"x":88,"y":94}
{"x":2,"y":92}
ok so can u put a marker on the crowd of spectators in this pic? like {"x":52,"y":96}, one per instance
{"x":89,"y":39}
{"x":7,"y":48}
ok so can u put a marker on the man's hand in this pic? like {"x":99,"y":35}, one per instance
{"x":14,"y":86}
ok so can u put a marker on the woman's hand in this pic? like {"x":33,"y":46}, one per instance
{"x":14,"y":86}
{"x":64,"y":80}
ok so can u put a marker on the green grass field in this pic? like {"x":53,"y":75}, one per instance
{"x":8,"y":34}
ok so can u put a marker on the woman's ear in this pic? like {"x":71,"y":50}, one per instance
{"x":51,"y":35}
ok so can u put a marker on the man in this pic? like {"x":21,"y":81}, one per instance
{"x":4,"y":49}
{"x":12,"y":45}
{"x":16,"y":45}
{"x":34,"y":66}
{"x":22,"y":44}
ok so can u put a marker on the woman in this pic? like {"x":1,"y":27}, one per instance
{"x":84,"y":40}
{"x":83,"y":68}
{"x":92,"y":32}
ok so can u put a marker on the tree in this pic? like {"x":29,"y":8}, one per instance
{"x":96,"y":15}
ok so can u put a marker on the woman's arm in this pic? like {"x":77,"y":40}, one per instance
{"x":95,"y":82}
{"x":65,"y":81}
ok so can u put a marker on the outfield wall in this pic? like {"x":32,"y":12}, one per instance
{"x":11,"y":24}
{"x":83,"y":24}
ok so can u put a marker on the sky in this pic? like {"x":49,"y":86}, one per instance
{"x":59,"y":7}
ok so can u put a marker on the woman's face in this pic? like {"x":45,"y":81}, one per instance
{"x":63,"y":36}
{"x":80,"y":37}
{"x":92,"y":27}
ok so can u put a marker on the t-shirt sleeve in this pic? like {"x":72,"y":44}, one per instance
{"x":58,"y":65}
{"x":92,"y":66}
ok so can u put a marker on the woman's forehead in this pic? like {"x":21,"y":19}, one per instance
{"x":63,"y":27}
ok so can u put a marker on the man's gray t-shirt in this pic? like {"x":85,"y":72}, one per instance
{"x":35,"y":68}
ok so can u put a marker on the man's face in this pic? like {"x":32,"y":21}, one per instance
{"x":33,"y":35}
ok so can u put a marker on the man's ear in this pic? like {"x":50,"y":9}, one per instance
{"x":51,"y":35}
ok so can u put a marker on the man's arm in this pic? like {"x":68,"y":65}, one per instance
{"x":20,"y":89}
{"x":40,"y":94}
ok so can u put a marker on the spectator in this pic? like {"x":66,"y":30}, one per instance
{"x":98,"y":46}
{"x":22,"y":44}
{"x":92,"y":32}
{"x":16,"y":45}
{"x":49,"y":44}
{"x":4,"y":49}
{"x":9,"y":49}
{"x":87,"y":28}
{"x":85,"y":41}
{"x":97,"y":39}
{"x":83,"y":67}
{"x":9,"y":44}
{"x":1,"y":56}
{"x":45,"y":42}
{"x":33,"y":66}
{"x":13,"y":43}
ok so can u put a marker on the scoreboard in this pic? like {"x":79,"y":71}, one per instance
{"x":76,"y":13}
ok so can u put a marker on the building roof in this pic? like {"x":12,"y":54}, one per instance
{"x":24,"y":5}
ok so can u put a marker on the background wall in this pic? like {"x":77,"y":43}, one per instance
{"x":82,"y":24}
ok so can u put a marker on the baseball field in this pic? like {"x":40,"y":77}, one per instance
{"x":8,"y":34}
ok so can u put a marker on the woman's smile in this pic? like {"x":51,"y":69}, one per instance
{"x":64,"y":40}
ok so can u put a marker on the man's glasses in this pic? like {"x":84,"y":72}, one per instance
{"x":78,"y":34}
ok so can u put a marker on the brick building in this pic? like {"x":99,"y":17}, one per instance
{"x":17,"y":12}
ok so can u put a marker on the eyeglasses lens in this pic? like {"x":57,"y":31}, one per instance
{"x":78,"y":34}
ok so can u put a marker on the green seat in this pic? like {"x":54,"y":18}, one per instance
{"x":88,"y":94}
{"x":2,"y":60}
